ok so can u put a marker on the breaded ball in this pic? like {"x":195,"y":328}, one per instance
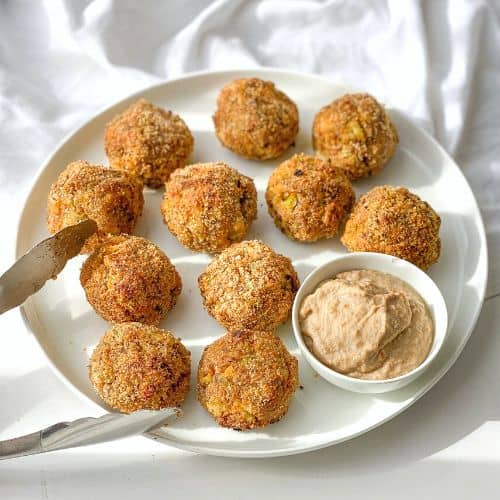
{"x":148,"y":142}
{"x":111,"y":198}
{"x":247,"y":379}
{"x":249,"y":287}
{"x":209,"y":206}
{"x":140,"y":367}
{"x":394,"y":221}
{"x":308,"y":198}
{"x":129,"y":278}
{"x":255,"y":120}
{"x":356,"y":134}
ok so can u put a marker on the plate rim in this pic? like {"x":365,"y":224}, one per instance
{"x":214,"y":451}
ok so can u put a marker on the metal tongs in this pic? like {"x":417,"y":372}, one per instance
{"x":43,"y":262}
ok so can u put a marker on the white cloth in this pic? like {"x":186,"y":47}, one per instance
{"x":62,"y":60}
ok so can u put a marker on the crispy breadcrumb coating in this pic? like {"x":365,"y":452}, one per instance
{"x":394,"y":221}
{"x":111,"y":198}
{"x":254,"y":119}
{"x":129,"y":278}
{"x":356,"y":134}
{"x":249,"y":287}
{"x":308,"y":198}
{"x":247,"y":379}
{"x":209,"y":206}
{"x":148,"y":142}
{"x":138,"y":367}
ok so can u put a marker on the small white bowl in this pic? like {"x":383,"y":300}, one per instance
{"x":402,"y":269}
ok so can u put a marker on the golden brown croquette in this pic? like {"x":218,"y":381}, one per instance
{"x":308,"y":198}
{"x":248,"y":286}
{"x":394,"y":221}
{"x":356,"y":134}
{"x":148,"y":142}
{"x":247,"y":379}
{"x":111,"y":198}
{"x":254,"y":119}
{"x":140,"y":367}
{"x":209,"y":206}
{"x":129,"y":278}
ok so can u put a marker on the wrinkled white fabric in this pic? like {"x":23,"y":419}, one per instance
{"x":61,"y":61}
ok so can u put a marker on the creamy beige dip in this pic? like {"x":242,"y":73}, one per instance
{"x":367,"y":324}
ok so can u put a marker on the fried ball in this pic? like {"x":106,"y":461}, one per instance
{"x":394,"y":221}
{"x":209,"y":206}
{"x":140,"y":367}
{"x":111,"y":198}
{"x":247,"y":379}
{"x":148,"y":142}
{"x":308,"y":198}
{"x":254,"y":119}
{"x":356,"y":134}
{"x":129,"y":278}
{"x":249,"y":287}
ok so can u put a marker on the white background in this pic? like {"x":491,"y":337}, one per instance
{"x":61,"y":61}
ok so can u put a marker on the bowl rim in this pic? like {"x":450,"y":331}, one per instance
{"x":346,"y":379}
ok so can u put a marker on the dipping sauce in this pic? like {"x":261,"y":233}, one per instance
{"x":367,"y":324}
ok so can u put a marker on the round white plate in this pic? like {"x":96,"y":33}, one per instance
{"x":320,"y":415}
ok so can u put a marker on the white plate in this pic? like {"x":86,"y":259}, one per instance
{"x":67,"y":328}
